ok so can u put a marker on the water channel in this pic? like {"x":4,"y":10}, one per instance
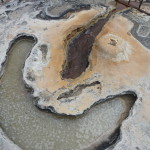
{"x":33,"y":129}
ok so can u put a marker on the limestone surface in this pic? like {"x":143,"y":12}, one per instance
{"x":118,"y":64}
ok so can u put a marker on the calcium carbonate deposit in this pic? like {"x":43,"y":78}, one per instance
{"x":74,"y":75}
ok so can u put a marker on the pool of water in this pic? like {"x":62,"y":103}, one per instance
{"x":33,"y":129}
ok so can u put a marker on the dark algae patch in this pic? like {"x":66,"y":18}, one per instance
{"x":79,"y":46}
{"x":79,"y":49}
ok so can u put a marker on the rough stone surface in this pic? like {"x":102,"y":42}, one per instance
{"x":143,"y":31}
{"x":119,"y":63}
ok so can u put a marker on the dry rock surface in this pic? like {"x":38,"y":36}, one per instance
{"x":119,"y":63}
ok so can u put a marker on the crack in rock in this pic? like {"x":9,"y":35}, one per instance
{"x":78,"y":89}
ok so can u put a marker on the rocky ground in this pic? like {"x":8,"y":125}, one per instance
{"x":117,"y":64}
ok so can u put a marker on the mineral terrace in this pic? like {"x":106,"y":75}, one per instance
{"x":75,"y":65}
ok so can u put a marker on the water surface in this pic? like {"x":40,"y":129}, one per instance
{"x":33,"y":129}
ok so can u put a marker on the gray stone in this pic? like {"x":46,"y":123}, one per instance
{"x":143,"y":31}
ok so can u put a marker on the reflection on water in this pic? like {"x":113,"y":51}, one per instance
{"x":33,"y":129}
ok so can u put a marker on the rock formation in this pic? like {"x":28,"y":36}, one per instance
{"x":117,"y":63}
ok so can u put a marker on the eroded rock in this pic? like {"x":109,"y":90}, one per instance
{"x":115,"y":62}
{"x":113,"y":55}
{"x":118,"y":63}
